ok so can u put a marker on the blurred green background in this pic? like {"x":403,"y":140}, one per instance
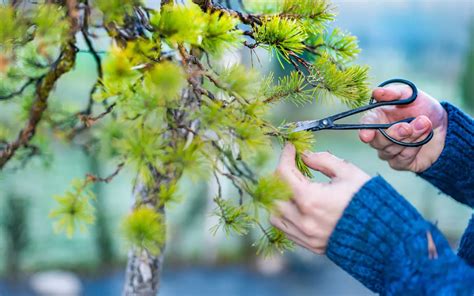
{"x":428,"y":42}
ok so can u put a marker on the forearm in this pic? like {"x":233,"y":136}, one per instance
{"x":452,"y":173}
{"x":383,"y":242}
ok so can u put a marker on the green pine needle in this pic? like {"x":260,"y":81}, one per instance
{"x":164,"y":82}
{"x":272,"y":241}
{"x":269,"y":189}
{"x":303,"y":141}
{"x":181,"y":23}
{"x":292,"y":88}
{"x":145,"y":230}
{"x":338,"y":45}
{"x":281,"y":35}
{"x":314,"y":13}
{"x":350,"y":85}
{"x":74,"y":208}
{"x":221,"y":33}
{"x":232,"y":219}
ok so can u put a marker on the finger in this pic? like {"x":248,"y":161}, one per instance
{"x":287,"y":169}
{"x":391,"y":92}
{"x":287,"y":210}
{"x":288,"y":155}
{"x":299,"y":242}
{"x":398,"y":131}
{"x":294,"y":234}
{"x":407,"y":156}
{"x":420,"y":127}
{"x":371,"y":117}
{"x":367,"y":136}
{"x":283,"y":225}
{"x":326,"y":163}
{"x":401,"y":132}
{"x":291,"y":231}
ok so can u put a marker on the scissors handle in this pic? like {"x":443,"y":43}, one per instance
{"x":406,"y":101}
{"x":328,"y":123}
{"x":408,"y":120}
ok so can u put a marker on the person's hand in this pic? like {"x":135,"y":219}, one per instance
{"x":429,"y":115}
{"x":311,"y":215}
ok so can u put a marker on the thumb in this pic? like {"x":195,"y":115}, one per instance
{"x":326,"y":163}
{"x":287,"y":167}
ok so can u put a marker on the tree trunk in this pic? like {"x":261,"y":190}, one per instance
{"x":142,"y":276}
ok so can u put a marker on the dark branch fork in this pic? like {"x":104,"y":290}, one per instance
{"x":64,"y":63}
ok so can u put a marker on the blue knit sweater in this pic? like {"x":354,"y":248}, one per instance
{"x":384,"y":242}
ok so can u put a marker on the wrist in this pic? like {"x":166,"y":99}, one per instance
{"x":439,"y":139}
{"x":432,"y":151}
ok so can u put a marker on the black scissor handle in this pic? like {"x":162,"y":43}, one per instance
{"x":406,"y":101}
{"x":407,"y":144}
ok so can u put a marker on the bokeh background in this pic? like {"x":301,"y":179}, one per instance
{"x":427,"y":41}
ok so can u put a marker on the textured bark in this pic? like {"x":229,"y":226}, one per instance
{"x":142,"y":276}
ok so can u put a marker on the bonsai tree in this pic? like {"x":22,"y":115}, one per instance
{"x":162,"y":106}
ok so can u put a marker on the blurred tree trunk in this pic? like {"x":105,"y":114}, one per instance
{"x":468,"y":78}
{"x":15,"y":227}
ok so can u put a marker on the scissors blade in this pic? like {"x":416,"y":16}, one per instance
{"x":311,"y":125}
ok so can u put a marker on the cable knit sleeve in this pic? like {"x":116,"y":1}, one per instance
{"x":453,"y":173}
{"x":382,"y":241}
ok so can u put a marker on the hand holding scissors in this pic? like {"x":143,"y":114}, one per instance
{"x":328,"y":123}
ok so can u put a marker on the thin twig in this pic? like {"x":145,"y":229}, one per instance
{"x":21,"y":90}
{"x":109,"y":178}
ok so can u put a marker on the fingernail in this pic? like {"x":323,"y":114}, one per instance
{"x":403,"y":131}
{"x":420,"y":124}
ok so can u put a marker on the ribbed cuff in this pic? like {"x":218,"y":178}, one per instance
{"x":453,"y":173}
{"x":466,"y":247}
{"x":374,"y":224}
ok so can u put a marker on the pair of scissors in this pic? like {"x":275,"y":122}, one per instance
{"x":328,"y":122}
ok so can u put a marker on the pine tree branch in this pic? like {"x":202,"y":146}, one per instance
{"x":246,"y":18}
{"x":63,"y":64}
{"x":97,"y":59}
{"x":21,"y":90}
{"x":94,"y":179}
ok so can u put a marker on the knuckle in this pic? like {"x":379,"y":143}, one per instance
{"x":383,"y":156}
{"x":390,"y":150}
{"x":306,"y":206}
{"x":396,"y":165}
{"x":274,"y":221}
{"x":308,"y":228}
